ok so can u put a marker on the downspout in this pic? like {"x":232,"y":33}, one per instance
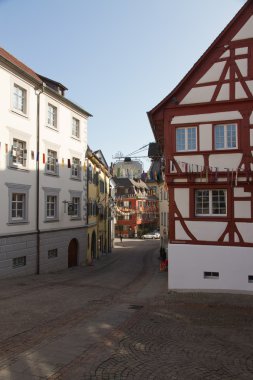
{"x":38,"y":91}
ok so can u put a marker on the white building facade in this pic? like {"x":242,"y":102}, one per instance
{"x":43,"y":177}
{"x":205,"y":130}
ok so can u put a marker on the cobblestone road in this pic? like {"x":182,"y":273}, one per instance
{"x":116,"y":320}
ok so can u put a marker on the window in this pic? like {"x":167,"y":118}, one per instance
{"x":18,"y":153}
{"x":19,"y":99}
{"x":75,"y":127}
{"x":19,"y":262}
{"x":101,"y":186}
{"x":76,"y":168}
{"x":75,"y":197}
{"x":225,"y":136}
{"x":18,"y":206}
{"x":52,"y":166}
{"x":212,"y":275}
{"x":18,"y":203}
{"x":51,"y":204}
{"x":52,"y":116}
{"x":52,"y":253}
{"x":186,"y":139}
{"x":210,"y":202}
{"x":76,"y":206}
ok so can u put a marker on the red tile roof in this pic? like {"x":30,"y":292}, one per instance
{"x":19,"y":64}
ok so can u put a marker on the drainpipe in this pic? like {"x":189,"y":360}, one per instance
{"x":38,"y":91}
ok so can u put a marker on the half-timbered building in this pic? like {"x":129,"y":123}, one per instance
{"x":205,"y":129}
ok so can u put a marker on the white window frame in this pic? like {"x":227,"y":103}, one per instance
{"x":187,"y":139}
{"x":74,"y":195}
{"x":75,"y":128}
{"x":52,"y":165}
{"x":51,"y":192}
{"x":19,"y":99}
{"x":18,"y":154}
{"x":76,"y":169}
{"x":226,"y":139}
{"x":19,"y":189}
{"x":210,"y":204}
{"x":52,"y":117}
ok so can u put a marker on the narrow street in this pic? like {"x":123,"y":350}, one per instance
{"x":116,"y":320}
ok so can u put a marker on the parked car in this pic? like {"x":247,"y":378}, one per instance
{"x":151,"y":235}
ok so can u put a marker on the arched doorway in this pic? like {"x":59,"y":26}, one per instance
{"x":93,"y":245}
{"x":72,"y":253}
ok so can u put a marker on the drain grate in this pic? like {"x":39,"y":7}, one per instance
{"x":135,"y":307}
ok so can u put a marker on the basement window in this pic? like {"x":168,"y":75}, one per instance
{"x":250,"y":278}
{"x":52,"y":253}
{"x":211,"y":275}
{"x":19,"y":262}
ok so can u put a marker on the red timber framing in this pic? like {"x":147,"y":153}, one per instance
{"x":180,"y":173}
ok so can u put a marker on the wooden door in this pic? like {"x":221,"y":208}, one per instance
{"x":72,"y":253}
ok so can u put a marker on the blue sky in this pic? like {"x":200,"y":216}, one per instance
{"x":118,"y":58}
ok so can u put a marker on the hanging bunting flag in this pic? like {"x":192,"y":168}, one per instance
{"x":6,"y":148}
{"x":62,"y":162}
{"x":69,"y":163}
{"x":32,"y":154}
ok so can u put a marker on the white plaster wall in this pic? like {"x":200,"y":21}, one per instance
{"x":180,"y":233}
{"x":199,"y":95}
{"x":251,"y":137}
{"x":246,"y":231}
{"x":187,"y":264}
{"x":209,"y":231}
{"x":239,"y":192}
{"x":224,"y":92}
{"x":240,"y":51}
{"x":205,"y":136}
{"x":239,"y":91}
{"x":13,"y":125}
{"x":243,"y":66}
{"x":223,"y":161}
{"x":250,"y":85}
{"x":242,"y":209}
{"x":208,"y":117}
{"x":246,"y":31}
{"x":67,"y":147}
{"x":195,"y":160}
{"x":214,"y":73}
{"x":182,"y":201}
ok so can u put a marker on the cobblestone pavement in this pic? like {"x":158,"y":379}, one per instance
{"x":117,"y":320}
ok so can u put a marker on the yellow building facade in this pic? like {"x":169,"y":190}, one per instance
{"x":98,"y":206}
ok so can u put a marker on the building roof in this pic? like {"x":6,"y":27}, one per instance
{"x":20,"y":65}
